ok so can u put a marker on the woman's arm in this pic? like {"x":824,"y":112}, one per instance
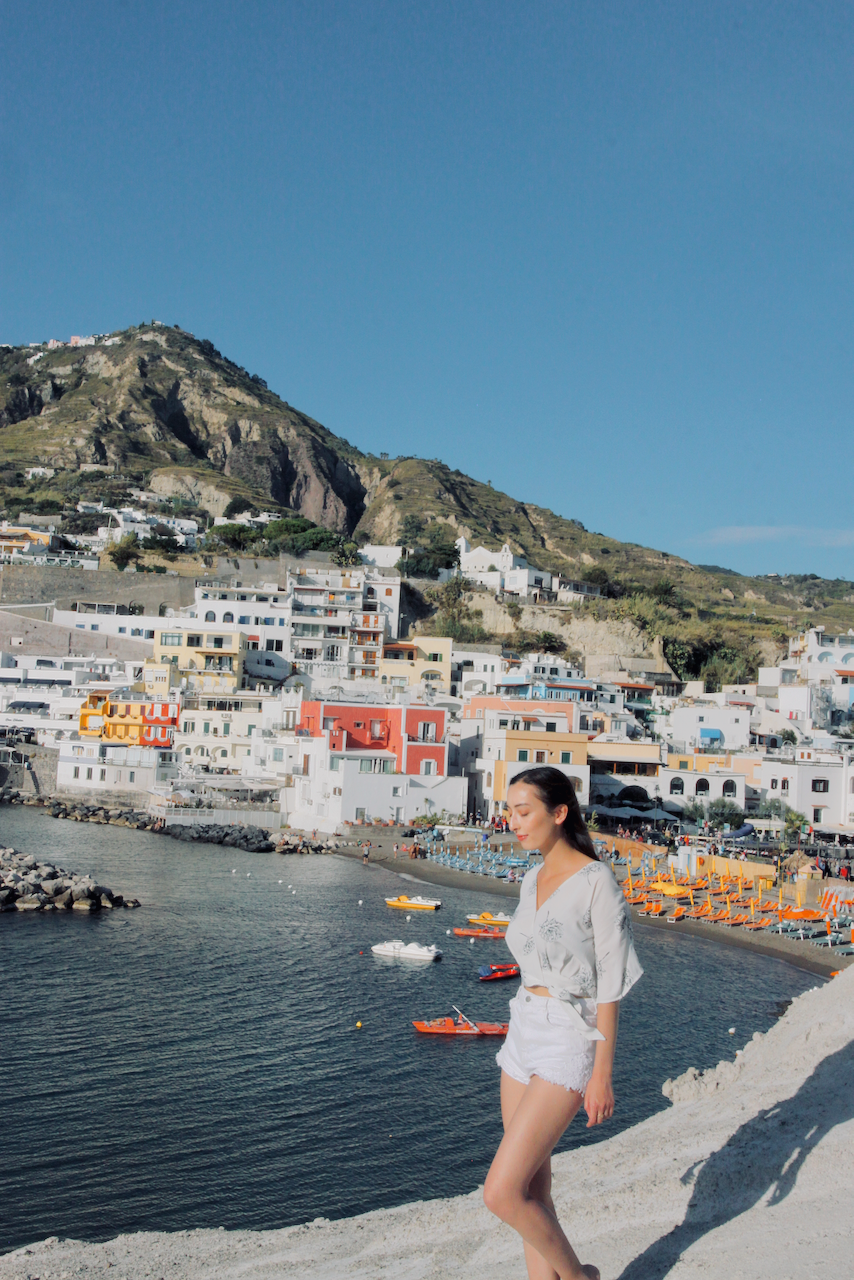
{"x":599,"y":1095}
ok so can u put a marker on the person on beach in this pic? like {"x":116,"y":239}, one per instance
{"x":571,"y":936}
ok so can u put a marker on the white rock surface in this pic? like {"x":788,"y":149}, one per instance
{"x":748,"y":1175}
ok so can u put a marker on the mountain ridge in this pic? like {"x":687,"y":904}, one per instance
{"x":158,"y":407}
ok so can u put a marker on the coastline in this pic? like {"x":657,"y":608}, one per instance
{"x":818,"y":960}
{"x":749,"y":1163}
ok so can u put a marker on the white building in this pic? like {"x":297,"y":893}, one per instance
{"x":502,"y":571}
{"x":100,"y":767}
{"x":817,"y":783}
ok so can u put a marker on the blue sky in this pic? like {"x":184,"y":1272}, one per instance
{"x":597,"y":253}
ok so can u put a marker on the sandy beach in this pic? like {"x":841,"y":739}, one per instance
{"x":818,"y":960}
{"x":748,"y":1175}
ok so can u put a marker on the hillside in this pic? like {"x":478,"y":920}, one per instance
{"x":159,"y":408}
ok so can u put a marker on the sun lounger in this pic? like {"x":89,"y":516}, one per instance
{"x":765,"y":922}
{"x":732,"y":921}
{"x":678,"y":914}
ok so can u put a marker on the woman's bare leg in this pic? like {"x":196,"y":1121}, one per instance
{"x":540,"y":1186}
{"x":518,"y":1185}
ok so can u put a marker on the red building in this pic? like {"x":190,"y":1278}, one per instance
{"x":414,"y":734}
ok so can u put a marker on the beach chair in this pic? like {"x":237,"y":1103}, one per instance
{"x":732,"y":921}
{"x":678,"y":914}
{"x":719,"y":916}
{"x":764,"y":922}
{"x":701,"y":912}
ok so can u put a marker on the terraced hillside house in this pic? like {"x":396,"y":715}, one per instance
{"x":362,"y":762}
{"x":200,"y":660}
{"x":423,"y":662}
{"x":129,"y":719}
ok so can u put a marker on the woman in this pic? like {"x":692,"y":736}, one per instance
{"x":572,"y":938}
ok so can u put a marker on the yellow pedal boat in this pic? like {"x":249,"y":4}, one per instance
{"x":490,"y":921}
{"x":413,"y":904}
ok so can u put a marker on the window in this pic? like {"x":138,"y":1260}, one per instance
{"x":365,"y":766}
{"x":397,"y":791}
{"x":821,"y":785}
{"x":77,"y":771}
{"x":335,"y":764}
{"x":218,"y":642}
{"x":102,"y":775}
{"x":243,"y":619}
{"x":434,"y":657}
{"x":683,"y":764}
{"x":551,"y":726}
{"x":228,"y":617}
{"x":816,"y":815}
{"x":428,"y":767}
{"x":522,"y":756}
{"x":677,"y":786}
{"x":388,"y":591}
{"x":376,"y":728}
{"x":358,"y":724}
{"x":539,"y":757}
{"x":426,"y":731}
{"x":210,"y":616}
{"x":773,"y":784}
{"x":132,"y":776}
{"x":702,"y":787}
{"x":149,"y":635}
{"x":269,"y":622}
{"x":489,"y":779}
{"x":566,"y":757}
{"x":206,"y":727}
{"x":89,"y":775}
{"x":189,"y":726}
{"x":278,"y":754}
{"x":274,"y":646}
{"x":553,"y":671}
{"x":701,"y":719}
{"x":123,"y":631}
{"x":171,"y":638}
{"x":226,"y":729}
{"x":784,"y":785}
{"x":360,"y":815}
{"x":502,"y":724}
{"x":729,"y":787}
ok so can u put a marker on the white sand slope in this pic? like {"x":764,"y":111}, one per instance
{"x":750,"y":1174}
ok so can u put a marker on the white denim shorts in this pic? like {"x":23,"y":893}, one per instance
{"x":543,"y":1041}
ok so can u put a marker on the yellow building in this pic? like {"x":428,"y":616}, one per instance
{"x":209,"y":661}
{"x":422,"y":661}
{"x":532,"y":748}
{"x":18,"y":538}
{"x":111,"y":719}
{"x":749,"y":765}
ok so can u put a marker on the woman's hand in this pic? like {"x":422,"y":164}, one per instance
{"x":598,"y":1099}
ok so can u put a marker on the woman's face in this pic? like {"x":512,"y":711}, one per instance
{"x":532,"y":823}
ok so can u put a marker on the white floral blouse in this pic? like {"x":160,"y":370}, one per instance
{"x":579,"y":944}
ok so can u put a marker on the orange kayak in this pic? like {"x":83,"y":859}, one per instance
{"x":461,"y":1027}
{"x":479,"y":933}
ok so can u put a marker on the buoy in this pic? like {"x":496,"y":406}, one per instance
{"x":234,"y":870}
{"x":293,"y":893}
{"x":732,"y":1031}
{"x":448,"y":932}
{"x":471,"y":940}
{"x":360,"y":902}
{"x":409,"y":917}
{"x":358,"y":1024}
{"x":280,"y":882}
{"x":248,"y":874}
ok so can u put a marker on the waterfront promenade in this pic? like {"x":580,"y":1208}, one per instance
{"x":747,"y":1175}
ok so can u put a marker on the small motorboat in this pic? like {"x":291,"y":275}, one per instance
{"x":413,"y":904}
{"x":495,"y":972}
{"x":479,"y":933}
{"x":401,"y":950}
{"x":490,"y":921}
{"x":460,"y":1026}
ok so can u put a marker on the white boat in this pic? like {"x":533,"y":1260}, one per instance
{"x":401,"y":950}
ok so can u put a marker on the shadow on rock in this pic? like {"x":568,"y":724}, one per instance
{"x":764,"y":1155}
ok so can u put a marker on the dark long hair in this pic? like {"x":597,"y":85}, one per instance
{"x":555,"y":788}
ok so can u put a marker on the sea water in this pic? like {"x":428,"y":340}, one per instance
{"x":197,"y":1062}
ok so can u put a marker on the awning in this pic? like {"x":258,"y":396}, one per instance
{"x":711,"y":733}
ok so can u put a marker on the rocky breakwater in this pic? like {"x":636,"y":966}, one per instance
{"x":29,"y":885}
{"x":250,"y":839}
